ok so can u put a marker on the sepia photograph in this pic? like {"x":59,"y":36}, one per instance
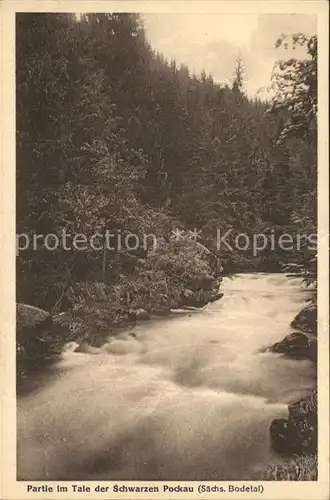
{"x":166,"y":250}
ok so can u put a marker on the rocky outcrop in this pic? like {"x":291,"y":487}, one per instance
{"x":306,"y":320}
{"x":298,"y":433}
{"x":39,"y":339}
{"x":296,"y":345}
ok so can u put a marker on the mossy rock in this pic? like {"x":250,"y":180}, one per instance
{"x":297,"y":435}
{"x":39,"y":340}
{"x":31,"y":317}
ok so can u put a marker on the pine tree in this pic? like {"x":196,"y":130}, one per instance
{"x":238,"y":78}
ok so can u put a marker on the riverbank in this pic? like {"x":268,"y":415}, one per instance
{"x":97,"y":315}
{"x":297,"y":435}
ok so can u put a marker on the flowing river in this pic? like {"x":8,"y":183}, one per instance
{"x":190,"y":397}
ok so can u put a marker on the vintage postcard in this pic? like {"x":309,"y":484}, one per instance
{"x":164,"y":237}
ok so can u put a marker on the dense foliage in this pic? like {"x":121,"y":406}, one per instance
{"x":112,"y":137}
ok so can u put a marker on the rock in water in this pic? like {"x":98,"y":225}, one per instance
{"x":305,"y":406}
{"x":284,"y":437}
{"x":297,"y":345}
{"x":298,"y":433}
{"x":31,"y":317}
{"x":216,"y":296}
{"x":312,"y":350}
{"x":306,"y":320}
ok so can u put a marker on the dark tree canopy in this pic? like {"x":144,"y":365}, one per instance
{"x":111,"y":136}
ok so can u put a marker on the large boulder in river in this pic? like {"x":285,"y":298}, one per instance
{"x":296,"y":345}
{"x":306,"y":320}
{"x":305,"y":406}
{"x":298,"y":433}
{"x":284,"y":437}
{"x":38,"y":339}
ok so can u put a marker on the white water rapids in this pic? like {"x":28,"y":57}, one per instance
{"x":190,"y":398}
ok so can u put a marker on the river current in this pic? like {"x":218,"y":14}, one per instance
{"x":190,"y":397}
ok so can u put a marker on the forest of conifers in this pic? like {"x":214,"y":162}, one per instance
{"x":111,"y":136}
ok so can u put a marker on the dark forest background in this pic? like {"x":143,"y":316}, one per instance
{"x":111,"y":136}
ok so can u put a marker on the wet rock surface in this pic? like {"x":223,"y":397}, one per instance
{"x":39,"y":339}
{"x":306,"y":320}
{"x":297,"y":345}
{"x":298,"y":433}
